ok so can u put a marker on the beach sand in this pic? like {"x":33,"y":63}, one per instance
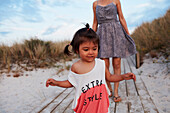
{"x":155,"y":73}
{"x":25,"y":93}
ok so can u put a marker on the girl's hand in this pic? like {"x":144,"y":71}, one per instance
{"x":51,"y":82}
{"x":129,"y":76}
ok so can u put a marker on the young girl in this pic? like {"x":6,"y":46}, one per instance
{"x":89,"y":74}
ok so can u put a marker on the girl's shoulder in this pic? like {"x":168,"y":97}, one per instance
{"x":79,"y":68}
{"x":75,"y":66}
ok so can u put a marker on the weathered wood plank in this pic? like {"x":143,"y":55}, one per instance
{"x":48,"y":101}
{"x":57,"y":101}
{"x":69,"y":108}
{"x":133,"y":60}
{"x":134,"y":103}
{"x":111,"y":105}
{"x":65,"y":103}
{"x":145,"y":98}
{"x":132,"y":68}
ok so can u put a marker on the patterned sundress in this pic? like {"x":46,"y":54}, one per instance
{"x":114,"y":41}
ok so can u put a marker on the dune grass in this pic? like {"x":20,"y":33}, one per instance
{"x":153,"y":35}
{"x":34,"y":53}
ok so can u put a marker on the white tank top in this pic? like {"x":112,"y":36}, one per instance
{"x":91,"y":91}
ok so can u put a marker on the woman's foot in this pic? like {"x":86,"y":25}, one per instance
{"x":117,"y":99}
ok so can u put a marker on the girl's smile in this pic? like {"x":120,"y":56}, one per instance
{"x":88,"y":51}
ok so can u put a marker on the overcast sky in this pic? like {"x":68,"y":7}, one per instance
{"x":57,"y":20}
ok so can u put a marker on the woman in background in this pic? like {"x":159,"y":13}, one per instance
{"x":115,"y":41}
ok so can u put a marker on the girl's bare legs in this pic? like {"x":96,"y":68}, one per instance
{"x":116,"y":62}
{"x":107,"y":66}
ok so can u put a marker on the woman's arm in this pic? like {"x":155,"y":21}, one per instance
{"x":64,"y":84}
{"x":95,"y":24}
{"x":117,"y":78}
{"x":121,"y":17}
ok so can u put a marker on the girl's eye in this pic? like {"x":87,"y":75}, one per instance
{"x":94,"y":48}
{"x":85,"y":49}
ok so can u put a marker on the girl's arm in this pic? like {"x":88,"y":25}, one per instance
{"x":121,"y":17}
{"x":117,"y":78}
{"x":95,"y":24}
{"x":64,"y":84}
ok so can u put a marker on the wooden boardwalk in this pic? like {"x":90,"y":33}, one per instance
{"x":135,"y":96}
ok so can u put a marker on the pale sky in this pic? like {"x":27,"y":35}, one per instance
{"x":58,"y":20}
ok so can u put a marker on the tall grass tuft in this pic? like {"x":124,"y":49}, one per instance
{"x":33,"y":52}
{"x":31,"y":47}
{"x":5,"y":53}
{"x":153,"y":35}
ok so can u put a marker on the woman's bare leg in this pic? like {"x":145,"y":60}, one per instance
{"x":117,"y":70}
{"x":107,"y":66}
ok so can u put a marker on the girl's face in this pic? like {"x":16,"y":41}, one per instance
{"x":88,"y":51}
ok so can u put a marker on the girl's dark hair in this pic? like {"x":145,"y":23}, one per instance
{"x":81,"y":36}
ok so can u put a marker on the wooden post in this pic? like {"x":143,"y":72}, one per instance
{"x":137,"y":60}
